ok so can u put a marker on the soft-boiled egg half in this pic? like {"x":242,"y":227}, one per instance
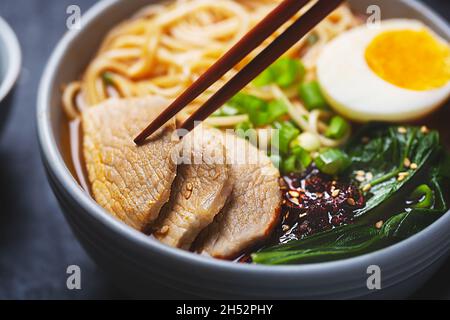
{"x":397,"y":71}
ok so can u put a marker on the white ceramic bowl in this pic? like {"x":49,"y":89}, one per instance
{"x":10,"y":64}
{"x":143,"y":266}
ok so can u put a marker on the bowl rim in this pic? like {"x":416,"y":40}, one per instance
{"x":57,"y":168}
{"x":14,"y":54}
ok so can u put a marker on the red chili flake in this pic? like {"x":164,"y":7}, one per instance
{"x":318,"y":206}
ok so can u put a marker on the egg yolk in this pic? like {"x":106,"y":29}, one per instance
{"x":410,"y":59}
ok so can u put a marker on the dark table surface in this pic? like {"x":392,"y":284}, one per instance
{"x":36,"y":244}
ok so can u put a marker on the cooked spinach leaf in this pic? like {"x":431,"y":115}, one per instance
{"x":393,"y":156}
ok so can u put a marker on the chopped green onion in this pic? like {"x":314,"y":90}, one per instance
{"x":297,"y":161}
{"x":303,"y":156}
{"x":276,"y":109}
{"x":246,"y":103}
{"x":229,"y":110}
{"x":284,"y":72}
{"x":311,"y":95}
{"x":243,"y":130}
{"x":308,"y":141}
{"x":422,"y":197}
{"x":332,"y":161}
{"x":252,"y":106}
{"x":288,"y":71}
{"x":290,"y":165}
{"x":265,"y":78}
{"x":338,"y":128}
{"x":226,"y":111}
{"x":260,"y":112}
{"x":244,"y":126}
{"x":282,"y":137}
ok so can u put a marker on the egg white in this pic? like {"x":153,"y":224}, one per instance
{"x":354,"y":90}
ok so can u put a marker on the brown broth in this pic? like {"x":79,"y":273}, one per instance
{"x":71,"y":139}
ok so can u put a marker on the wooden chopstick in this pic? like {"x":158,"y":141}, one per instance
{"x":272,"y":22}
{"x":268,"y":56}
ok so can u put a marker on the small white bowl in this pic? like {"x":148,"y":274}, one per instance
{"x":10,"y":59}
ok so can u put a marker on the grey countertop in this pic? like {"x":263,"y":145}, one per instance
{"x":36,"y":244}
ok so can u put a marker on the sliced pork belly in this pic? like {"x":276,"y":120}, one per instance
{"x":132,"y":183}
{"x":254,"y":205}
{"x":200,"y":190}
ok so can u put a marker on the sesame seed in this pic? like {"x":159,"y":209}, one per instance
{"x":379,"y":224}
{"x":285,"y":227}
{"x":407,"y":163}
{"x":413,"y":166}
{"x":294,"y":193}
{"x":402,"y":130}
{"x":424,"y":129}
{"x":302,"y":215}
{"x":402,"y":176}
{"x":351,"y":201}
{"x":367,"y":187}
{"x":335,"y":193}
{"x":295,"y":200}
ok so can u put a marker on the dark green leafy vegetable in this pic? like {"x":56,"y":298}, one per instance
{"x":444,"y":165}
{"x":284,"y":72}
{"x":311,"y":95}
{"x":383,"y":154}
{"x":332,"y":161}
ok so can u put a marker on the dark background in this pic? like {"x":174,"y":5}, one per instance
{"x":36,"y":244}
